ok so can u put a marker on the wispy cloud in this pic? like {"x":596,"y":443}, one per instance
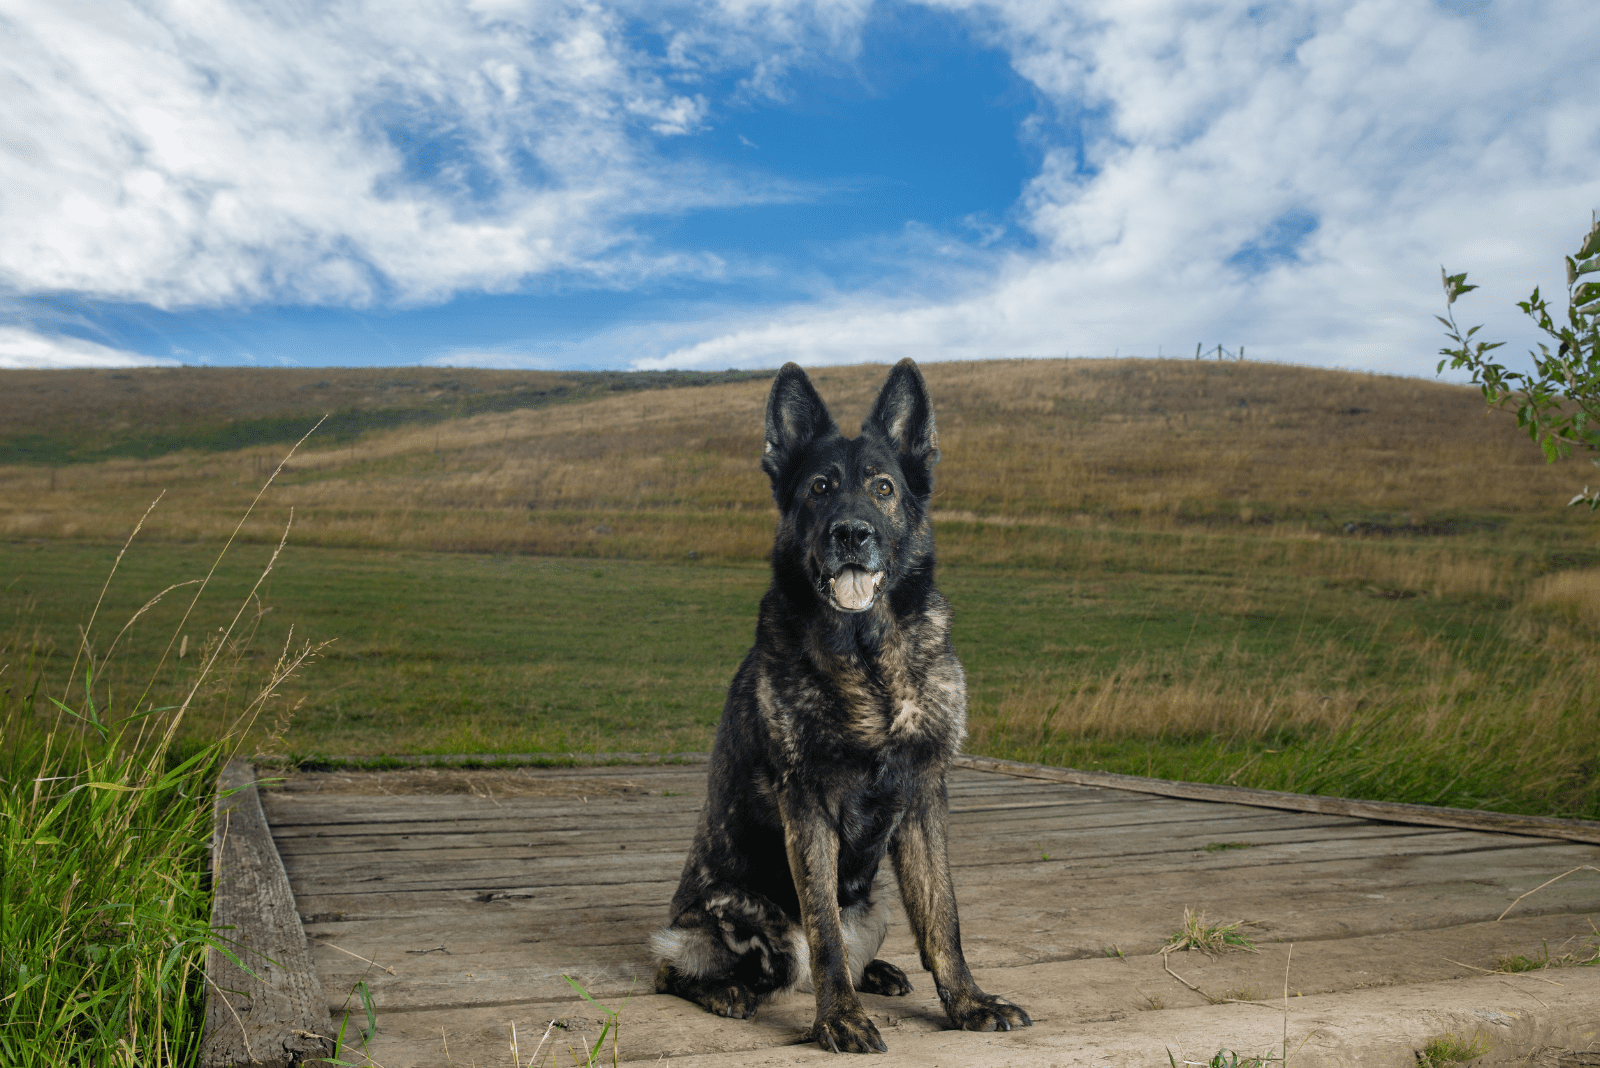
{"x":351,"y":153}
{"x":1287,"y":175}
{"x":22,"y":349}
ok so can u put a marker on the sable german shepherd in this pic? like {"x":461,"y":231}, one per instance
{"x":834,"y":743}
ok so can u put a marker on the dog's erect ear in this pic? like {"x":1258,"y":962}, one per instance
{"x":903,"y":413}
{"x":796,"y":417}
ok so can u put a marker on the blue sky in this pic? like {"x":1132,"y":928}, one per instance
{"x":738,"y":184}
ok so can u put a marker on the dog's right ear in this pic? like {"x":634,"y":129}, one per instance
{"x":796,"y":417}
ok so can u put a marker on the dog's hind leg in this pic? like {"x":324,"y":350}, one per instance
{"x":724,"y":997}
{"x":881,"y":977}
{"x":727,"y":953}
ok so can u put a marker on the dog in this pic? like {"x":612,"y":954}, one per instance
{"x":834,"y":743}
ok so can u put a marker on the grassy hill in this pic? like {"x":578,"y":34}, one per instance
{"x":1278,"y":576}
{"x":80,"y":416}
{"x":646,"y":469}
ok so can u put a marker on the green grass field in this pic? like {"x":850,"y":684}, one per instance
{"x":1272,"y":576}
{"x":1294,"y":664}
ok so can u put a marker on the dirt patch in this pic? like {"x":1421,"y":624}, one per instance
{"x":490,"y":782}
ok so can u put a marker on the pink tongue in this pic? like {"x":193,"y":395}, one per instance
{"x":853,"y":588}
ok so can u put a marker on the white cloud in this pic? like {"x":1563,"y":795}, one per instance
{"x":22,"y":349}
{"x":1288,"y":176}
{"x":349,"y":153}
{"x":1399,"y":134}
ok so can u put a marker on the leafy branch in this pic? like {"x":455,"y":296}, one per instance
{"x":1558,"y":404}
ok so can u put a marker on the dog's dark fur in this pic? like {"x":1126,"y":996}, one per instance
{"x":835,"y":740}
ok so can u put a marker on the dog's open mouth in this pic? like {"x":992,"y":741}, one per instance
{"x":855,"y":587}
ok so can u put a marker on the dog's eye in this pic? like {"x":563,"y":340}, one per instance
{"x":819,"y":485}
{"x":885,"y":487}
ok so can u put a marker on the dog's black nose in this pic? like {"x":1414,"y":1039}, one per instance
{"x":852,"y":534}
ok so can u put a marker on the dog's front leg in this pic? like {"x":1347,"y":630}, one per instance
{"x":921,"y":860}
{"x":842,"y":1025}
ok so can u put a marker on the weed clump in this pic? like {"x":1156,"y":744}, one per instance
{"x":1209,"y":938}
{"x":1585,"y":956}
{"x":1447,"y":1050}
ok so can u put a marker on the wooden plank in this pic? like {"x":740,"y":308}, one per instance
{"x":1470,"y":819}
{"x":404,"y":822}
{"x":1486,"y":880}
{"x":274,"y":1013}
{"x":340,"y":809}
{"x":335,"y":874}
{"x":385,"y":851}
{"x":1137,"y":813}
{"x":533,"y":832}
{"x":546,"y":763}
{"x":470,"y":863}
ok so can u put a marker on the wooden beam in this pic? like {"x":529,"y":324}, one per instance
{"x":273,"y":1014}
{"x":1393,"y":812}
{"x":1390,"y":811}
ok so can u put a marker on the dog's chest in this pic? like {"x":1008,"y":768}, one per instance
{"x":891,"y":701}
{"x":905,"y":689}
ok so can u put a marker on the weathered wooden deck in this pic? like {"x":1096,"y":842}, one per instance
{"x":462,"y":910}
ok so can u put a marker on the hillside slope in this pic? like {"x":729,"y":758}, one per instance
{"x":80,"y":416}
{"x":661,"y":473}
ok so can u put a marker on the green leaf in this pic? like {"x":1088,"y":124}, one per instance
{"x":1454,"y":285}
{"x":1591,"y":247}
{"x":584,"y":993}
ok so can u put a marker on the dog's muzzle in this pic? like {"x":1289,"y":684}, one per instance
{"x":853,"y":589}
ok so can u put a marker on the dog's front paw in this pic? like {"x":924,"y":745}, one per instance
{"x":735,"y":1000}
{"x":881,"y":977}
{"x":849,"y":1031}
{"x":978,"y":1011}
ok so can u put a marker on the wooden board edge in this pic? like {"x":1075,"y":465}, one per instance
{"x":273,"y":1014}
{"x":1585,"y":831}
{"x":497,"y":760}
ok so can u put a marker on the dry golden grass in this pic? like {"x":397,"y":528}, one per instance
{"x":1214,"y":689}
{"x":1029,"y":447}
{"x":1570,"y":595}
{"x":1497,"y":718}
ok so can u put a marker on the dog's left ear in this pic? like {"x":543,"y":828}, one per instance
{"x":903,"y":413}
